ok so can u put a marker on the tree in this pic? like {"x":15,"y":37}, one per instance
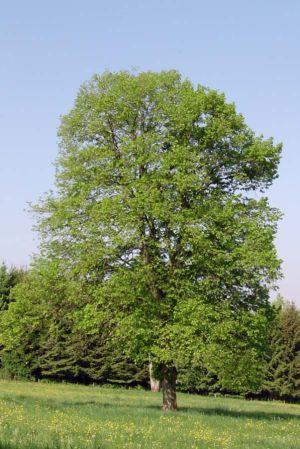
{"x":41,"y":339}
{"x":283,"y":376}
{"x":8,"y":279}
{"x":153,"y":206}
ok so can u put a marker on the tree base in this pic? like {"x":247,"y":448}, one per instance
{"x":168,"y":386}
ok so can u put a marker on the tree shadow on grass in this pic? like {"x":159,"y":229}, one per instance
{"x":240,"y":414}
{"x":215,"y":411}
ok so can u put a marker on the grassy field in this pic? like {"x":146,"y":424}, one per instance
{"x":39,"y":415}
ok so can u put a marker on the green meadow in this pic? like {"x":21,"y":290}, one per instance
{"x":51,"y":416}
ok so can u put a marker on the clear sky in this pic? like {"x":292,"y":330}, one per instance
{"x":248,"y":49}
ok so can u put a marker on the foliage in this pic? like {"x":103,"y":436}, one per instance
{"x":9,"y":277}
{"x":283,"y":376}
{"x":44,"y":337}
{"x":10,"y":364}
{"x":153,"y":241}
{"x":41,"y":338}
{"x":154,"y":207}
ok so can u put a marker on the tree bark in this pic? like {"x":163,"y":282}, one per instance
{"x":154,"y":383}
{"x":168,"y":385}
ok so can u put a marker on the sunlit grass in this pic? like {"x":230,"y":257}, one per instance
{"x":39,"y":415}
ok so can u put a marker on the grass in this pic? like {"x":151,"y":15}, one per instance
{"x":52,"y":416}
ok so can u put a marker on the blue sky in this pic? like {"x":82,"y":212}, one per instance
{"x":249,"y":50}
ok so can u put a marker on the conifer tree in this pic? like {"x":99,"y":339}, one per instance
{"x":283,"y":377}
{"x":41,"y":339}
{"x":9,"y":277}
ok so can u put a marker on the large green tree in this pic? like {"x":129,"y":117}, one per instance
{"x":154,"y":204}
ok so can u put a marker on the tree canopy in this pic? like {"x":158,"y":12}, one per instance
{"x":155,"y":206}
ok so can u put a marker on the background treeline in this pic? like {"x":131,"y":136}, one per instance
{"x":43,"y":335}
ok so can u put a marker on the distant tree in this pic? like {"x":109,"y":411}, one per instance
{"x":154,"y":206}
{"x":41,"y":339}
{"x":283,"y":377}
{"x":9,"y":277}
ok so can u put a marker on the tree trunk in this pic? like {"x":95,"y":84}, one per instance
{"x":168,"y":385}
{"x":154,"y":383}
